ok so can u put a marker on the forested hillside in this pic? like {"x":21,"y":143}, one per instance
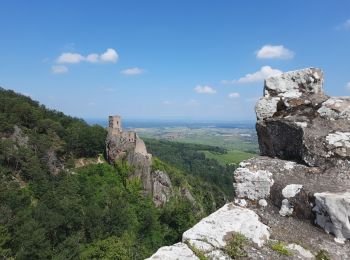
{"x":51,"y":210}
{"x":191,"y":159}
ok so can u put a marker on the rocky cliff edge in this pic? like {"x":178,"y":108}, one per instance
{"x":293,"y":201}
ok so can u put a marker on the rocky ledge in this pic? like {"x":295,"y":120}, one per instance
{"x":293,"y":201}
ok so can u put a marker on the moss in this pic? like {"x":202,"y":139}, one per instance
{"x":235,"y":246}
{"x":196,"y":251}
{"x":280,"y":247}
{"x":322,"y":255}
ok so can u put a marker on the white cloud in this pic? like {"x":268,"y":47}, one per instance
{"x":69,"y":57}
{"x":234,"y":95}
{"x":263,"y":73}
{"x":166,"y":102}
{"x":93,"y":57}
{"x":110,"y":55}
{"x":132,"y":71}
{"x":204,"y":89}
{"x":348,"y":86}
{"x":59,"y":69}
{"x":274,"y":52}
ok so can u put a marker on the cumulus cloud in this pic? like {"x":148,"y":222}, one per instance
{"x":234,"y":95}
{"x":132,"y":71}
{"x":110,"y":55}
{"x":263,"y":73}
{"x":59,"y":69}
{"x":69,"y":57}
{"x":274,"y":52}
{"x":204,"y":89}
{"x":166,"y":102}
{"x":93,"y":57}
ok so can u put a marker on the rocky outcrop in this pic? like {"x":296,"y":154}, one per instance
{"x":211,"y":234}
{"x":298,"y":190}
{"x":127,"y":145}
{"x":161,"y":187}
{"x":297,"y":121}
{"x":304,"y":170}
{"x":174,"y":252}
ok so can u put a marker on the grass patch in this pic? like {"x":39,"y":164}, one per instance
{"x":196,"y":251}
{"x":232,"y":156}
{"x":280,"y":247}
{"x":322,"y":255}
{"x":235,"y":246}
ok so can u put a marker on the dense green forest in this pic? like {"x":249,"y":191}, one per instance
{"x":191,"y":159}
{"x":51,"y":210}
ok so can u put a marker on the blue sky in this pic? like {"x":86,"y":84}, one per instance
{"x":167,"y":59}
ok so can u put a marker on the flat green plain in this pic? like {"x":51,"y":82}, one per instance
{"x":232,"y":156}
{"x":240,"y":144}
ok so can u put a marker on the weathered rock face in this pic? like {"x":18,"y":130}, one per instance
{"x":213,"y":232}
{"x":130,"y":147}
{"x":297,"y":121}
{"x":300,"y":186}
{"x":333,"y":213}
{"x":174,"y":252}
{"x":306,"y":138}
{"x":161,"y":188}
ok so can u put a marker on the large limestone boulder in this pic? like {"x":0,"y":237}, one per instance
{"x":297,"y":121}
{"x":333,"y":213}
{"x":179,"y":251}
{"x":290,"y":186}
{"x":214,"y":231}
{"x":306,"y":138}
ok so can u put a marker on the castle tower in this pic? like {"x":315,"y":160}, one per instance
{"x":115,"y":123}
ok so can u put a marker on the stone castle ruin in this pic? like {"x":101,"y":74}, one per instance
{"x":129,"y":140}
{"x":128,"y":146}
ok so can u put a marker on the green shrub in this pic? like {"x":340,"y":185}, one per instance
{"x":196,"y":251}
{"x":235,"y":246}
{"x":280,"y":247}
{"x":322,"y":255}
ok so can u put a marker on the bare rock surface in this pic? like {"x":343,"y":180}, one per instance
{"x":161,"y":188}
{"x":297,"y":193}
{"x":333,"y":214}
{"x":178,"y":251}
{"x":304,"y":136}
{"x":297,"y":121}
{"x":213,"y":231}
